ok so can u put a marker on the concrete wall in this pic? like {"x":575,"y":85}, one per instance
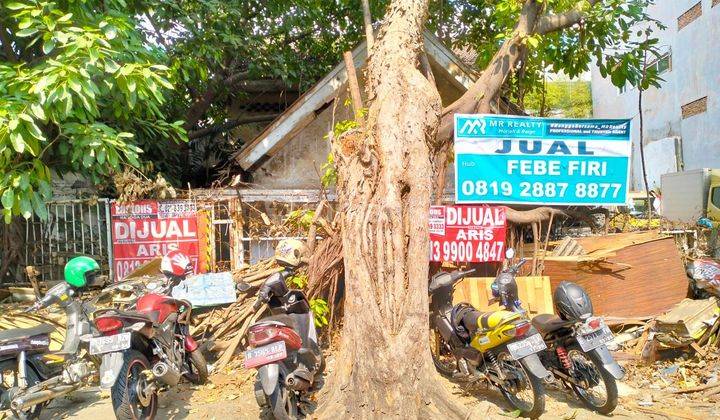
{"x":298,"y":163}
{"x":694,"y":74}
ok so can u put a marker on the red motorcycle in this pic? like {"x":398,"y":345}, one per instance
{"x":148,"y":348}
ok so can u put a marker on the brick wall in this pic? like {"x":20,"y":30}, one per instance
{"x":695,"y":107}
{"x":693,"y":13}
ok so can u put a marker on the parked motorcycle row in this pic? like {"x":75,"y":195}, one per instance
{"x":517,"y":354}
{"x":146,"y":348}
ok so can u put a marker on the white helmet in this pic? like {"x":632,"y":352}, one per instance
{"x":289,"y":252}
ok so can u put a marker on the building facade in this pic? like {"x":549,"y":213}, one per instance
{"x":682,"y":117}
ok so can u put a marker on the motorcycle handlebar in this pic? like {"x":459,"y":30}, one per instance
{"x":258,"y":303}
{"x":456,"y":275}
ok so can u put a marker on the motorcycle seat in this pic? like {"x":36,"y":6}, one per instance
{"x":151,"y":316}
{"x":464,"y":315}
{"x":547,"y":323}
{"x":298,"y":322}
{"x":284,"y":319}
{"x":21,"y":333}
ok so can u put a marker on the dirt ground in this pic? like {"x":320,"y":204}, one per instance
{"x":230,"y":396}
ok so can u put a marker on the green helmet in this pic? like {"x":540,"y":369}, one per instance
{"x":77,"y":270}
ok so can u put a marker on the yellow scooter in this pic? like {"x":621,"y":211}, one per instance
{"x":499,"y":347}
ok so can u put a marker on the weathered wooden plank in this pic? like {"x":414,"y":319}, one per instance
{"x":638,"y":280}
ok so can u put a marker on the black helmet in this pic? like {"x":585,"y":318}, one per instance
{"x":571,"y":302}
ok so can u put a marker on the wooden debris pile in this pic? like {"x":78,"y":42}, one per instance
{"x":226,"y":328}
{"x":692,"y":326}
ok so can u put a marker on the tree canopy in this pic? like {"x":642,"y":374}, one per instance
{"x":92,"y":86}
{"x":80,"y":91}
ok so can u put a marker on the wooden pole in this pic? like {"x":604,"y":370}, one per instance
{"x":353,"y":86}
{"x":367,"y":18}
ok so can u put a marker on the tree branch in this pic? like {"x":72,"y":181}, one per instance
{"x":158,"y":34}
{"x":229,"y":125}
{"x":479,"y":97}
{"x":552,"y":23}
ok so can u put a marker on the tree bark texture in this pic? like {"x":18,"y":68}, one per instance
{"x":384,"y":186}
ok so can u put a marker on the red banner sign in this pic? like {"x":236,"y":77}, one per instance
{"x":467,"y":233}
{"x":144,"y":230}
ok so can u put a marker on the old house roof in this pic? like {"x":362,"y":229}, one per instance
{"x":311,"y":103}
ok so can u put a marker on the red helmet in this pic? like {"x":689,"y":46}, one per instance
{"x":175,"y":263}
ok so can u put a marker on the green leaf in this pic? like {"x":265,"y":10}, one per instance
{"x":48,"y":46}
{"x":8,"y":198}
{"x":45,"y":189}
{"x":25,"y":23}
{"x":17,"y":142}
{"x":7,"y":215}
{"x":110,"y":32}
{"x":111,"y":66}
{"x":88,"y":160}
{"x":24,"y":181}
{"x":25,"y":207}
{"x":39,"y":206}
{"x":15,"y":6}
{"x":34,"y":130}
{"x":26,"y":32}
{"x":65,"y":18}
{"x":38,"y":111}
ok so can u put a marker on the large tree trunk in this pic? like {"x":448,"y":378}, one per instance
{"x":385,"y":181}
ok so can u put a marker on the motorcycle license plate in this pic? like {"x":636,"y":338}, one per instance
{"x":110,"y":343}
{"x":526,"y":347}
{"x":592,"y":340}
{"x":266,"y":354}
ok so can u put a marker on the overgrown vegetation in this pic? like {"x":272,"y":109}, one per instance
{"x":80,"y":91}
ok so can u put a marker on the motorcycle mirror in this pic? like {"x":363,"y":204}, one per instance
{"x":243,"y":287}
{"x":509,"y":253}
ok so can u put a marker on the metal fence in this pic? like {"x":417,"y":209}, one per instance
{"x":73,"y":227}
{"x":82,"y":227}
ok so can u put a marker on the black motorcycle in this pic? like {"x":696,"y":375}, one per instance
{"x":498,"y":347}
{"x":576,"y":351}
{"x":285,"y":348}
{"x":29,"y":376}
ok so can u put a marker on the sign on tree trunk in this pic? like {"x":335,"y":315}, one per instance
{"x":467,"y":233}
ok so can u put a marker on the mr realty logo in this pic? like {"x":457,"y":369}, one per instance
{"x":472,"y":126}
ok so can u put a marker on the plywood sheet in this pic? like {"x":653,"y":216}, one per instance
{"x":638,"y":280}
{"x":535,"y":293}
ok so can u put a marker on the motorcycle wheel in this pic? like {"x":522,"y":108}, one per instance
{"x":528,"y":396}
{"x":445,"y":362}
{"x":197,"y":367}
{"x":283,"y":403}
{"x":8,"y":386}
{"x":129,"y":402}
{"x":602,"y":397}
